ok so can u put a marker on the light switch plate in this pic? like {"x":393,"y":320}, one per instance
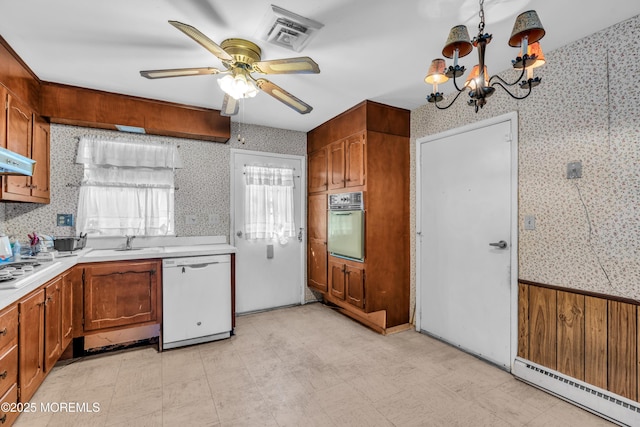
{"x":574,"y":170}
{"x":529,"y":222}
{"x":214,"y":219}
{"x":191,"y":220}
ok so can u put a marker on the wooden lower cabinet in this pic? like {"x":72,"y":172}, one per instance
{"x":31,"y":343}
{"x":355,"y":286}
{"x":52,"y":323}
{"x":337,"y":279}
{"x":70,"y":279}
{"x":346,"y":282}
{"x":11,"y":397}
{"x":119,"y":294}
{"x":8,"y":362}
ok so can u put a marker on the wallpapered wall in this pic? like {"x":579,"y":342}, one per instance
{"x":587,"y":108}
{"x":203,"y":183}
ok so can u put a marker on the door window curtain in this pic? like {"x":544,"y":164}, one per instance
{"x":127,"y":188}
{"x":269,"y":209}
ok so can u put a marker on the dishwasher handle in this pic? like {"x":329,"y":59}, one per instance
{"x":203,"y":265}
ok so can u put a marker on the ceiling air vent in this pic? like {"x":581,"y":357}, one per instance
{"x":287,"y":29}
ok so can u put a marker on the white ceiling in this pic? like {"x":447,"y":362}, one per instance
{"x":368,"y":49}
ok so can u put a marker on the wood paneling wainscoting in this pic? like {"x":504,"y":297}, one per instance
{"x":588,"y":336}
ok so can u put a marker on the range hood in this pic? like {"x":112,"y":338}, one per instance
{"x":15,"y":164}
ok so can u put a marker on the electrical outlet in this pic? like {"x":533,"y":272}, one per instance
{"x":529,"y":222}
{"x":574,"y":170}
{"x":64,"y":220}
{"x":191,"y":220}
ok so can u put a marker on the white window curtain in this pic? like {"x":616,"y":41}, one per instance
{"x":269,"y":209}
{"x":128,"y":187}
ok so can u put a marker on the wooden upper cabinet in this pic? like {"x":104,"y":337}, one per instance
{"x":347,"y":159}
{"x":28,"y":135}
{"x":40,"y":153}
{"x":336,"y":165}
{"x":355,"y":160}
{"x":119,"y":294}
{"x":318,"y":171}
{"x":19,"y":119}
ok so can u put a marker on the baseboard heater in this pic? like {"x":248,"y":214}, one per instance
{"x":601,"y":402}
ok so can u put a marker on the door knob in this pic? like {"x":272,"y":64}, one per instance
{"x":501,"y":244}
{"x":239,"y":234}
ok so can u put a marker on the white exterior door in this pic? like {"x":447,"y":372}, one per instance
{"x":467,"y":288}
{"x":268,"y":274}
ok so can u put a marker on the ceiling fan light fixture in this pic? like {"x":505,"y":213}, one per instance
{"x":238,"y":86}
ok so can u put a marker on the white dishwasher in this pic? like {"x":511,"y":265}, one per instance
{"x":196,"y":299}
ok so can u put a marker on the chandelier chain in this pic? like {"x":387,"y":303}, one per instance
{"x":481,"y":14}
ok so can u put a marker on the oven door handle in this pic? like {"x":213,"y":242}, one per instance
{"x":342,"y":213}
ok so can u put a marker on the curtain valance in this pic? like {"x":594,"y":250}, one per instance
{"x":261,"y":175}
{"x":127,"y":153}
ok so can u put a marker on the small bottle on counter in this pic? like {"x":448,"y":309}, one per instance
{"x":16,"y":248}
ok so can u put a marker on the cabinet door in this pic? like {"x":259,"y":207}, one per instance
{"x":318,"y":171}
{"x":120,"y":294}
{"x":355,"y":285}
{"x":19,"y":126}
{"x":336,"y":165}
{"x":318,"y":265}
{"x":355,"y":160}
{"x":40,"y":153}
{"x":317,"y":241}
{"x":68,"y":282}
{"x":337,"y":279}
{"x":52,"y":323}
{"x":31,"y":344}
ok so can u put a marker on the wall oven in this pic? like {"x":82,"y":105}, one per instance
{"x":346,"y":226}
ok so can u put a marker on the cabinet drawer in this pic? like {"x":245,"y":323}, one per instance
{"x":8,"y":369}
{"x":8,"y":328}
{"x":11,"y":396}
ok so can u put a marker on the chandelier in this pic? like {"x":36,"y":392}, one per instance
{"x":527,"y":31}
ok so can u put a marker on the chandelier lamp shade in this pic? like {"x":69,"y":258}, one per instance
{"x":527,"y":31}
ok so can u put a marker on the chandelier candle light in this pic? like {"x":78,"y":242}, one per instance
{"x":527,"y":31}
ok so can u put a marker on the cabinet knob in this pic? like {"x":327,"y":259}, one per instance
{"x":4,"y":374}
{"x":3,"y":332}
{"x":3,"y":419}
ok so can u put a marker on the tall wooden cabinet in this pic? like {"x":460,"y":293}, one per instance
{"x":366,"y":149}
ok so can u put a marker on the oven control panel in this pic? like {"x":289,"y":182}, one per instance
{"x":346,"y":201}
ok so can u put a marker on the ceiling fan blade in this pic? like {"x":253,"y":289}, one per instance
{"x":178,"y":72}
{"x":203,"y":40}
{"x":283,"y":96}
{"x":301,"y":65}
{"x":229,"y":106}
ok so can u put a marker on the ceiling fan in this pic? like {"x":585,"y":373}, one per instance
{"x":241,"y":58}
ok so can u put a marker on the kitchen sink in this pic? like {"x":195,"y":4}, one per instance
{"x":112,"y":252}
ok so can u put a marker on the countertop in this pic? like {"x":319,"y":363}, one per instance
{"x":59,"y":265}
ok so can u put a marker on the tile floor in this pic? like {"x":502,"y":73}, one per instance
{"x":301,"y":366}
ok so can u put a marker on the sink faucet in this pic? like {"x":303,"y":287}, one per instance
{"x":127,"y":245}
